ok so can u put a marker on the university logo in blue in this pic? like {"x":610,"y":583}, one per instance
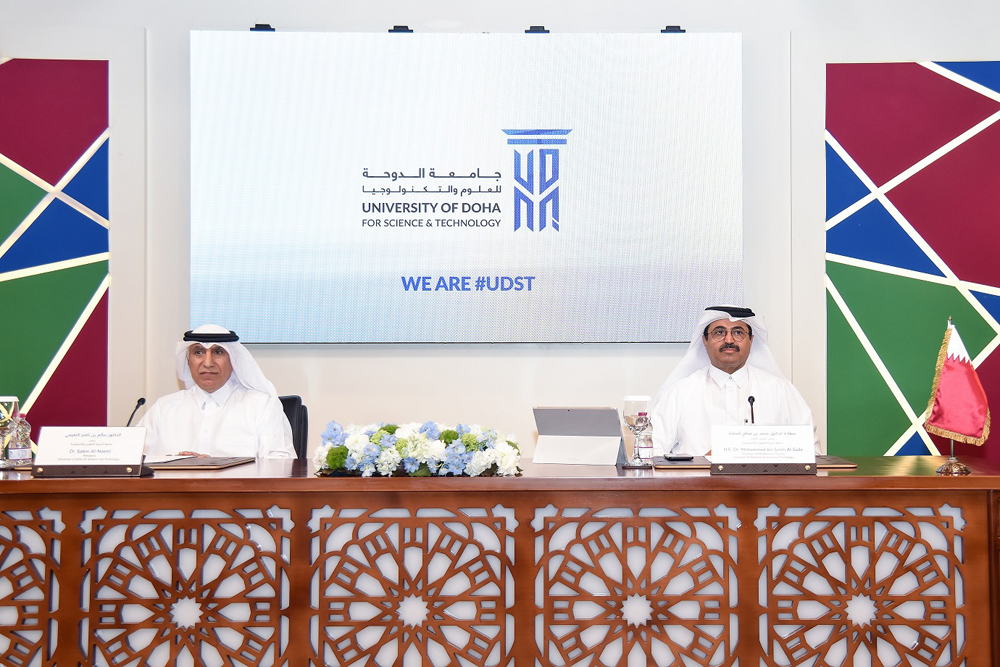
{"x":536,"y":199}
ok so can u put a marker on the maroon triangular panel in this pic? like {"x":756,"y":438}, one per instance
{"x":51,"y":111}
{"x":953,"y":205}
{"x":77,"y":393}
{"x":888,"y":116}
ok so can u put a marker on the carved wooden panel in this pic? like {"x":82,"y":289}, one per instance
{"x":879,"y":585}
{"x":619,"y":586}
{"x":29,"y":585}
{"x":430,"y":586}
{"x":185,"y":587}
{"x":426,"y":572}
{"x":995,"y":590}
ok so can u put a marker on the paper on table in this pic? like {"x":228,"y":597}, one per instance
{"x":165,"y":458}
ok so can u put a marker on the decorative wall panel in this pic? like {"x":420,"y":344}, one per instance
{"x":911,"y":193}
{"x":54,"y":220}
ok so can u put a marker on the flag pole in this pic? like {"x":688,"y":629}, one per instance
{"x":958,"y":408}
{"x":953,"y":466}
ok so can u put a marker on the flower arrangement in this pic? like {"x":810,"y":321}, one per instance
{"x":417,"y":450}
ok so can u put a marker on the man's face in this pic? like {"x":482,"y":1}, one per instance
{"x":725,"y":352}
{"x":210,"y":367}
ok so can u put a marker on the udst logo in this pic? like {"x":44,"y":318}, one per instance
{"x":536,"y":199}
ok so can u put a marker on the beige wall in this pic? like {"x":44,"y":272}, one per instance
{"x":495,"y":385}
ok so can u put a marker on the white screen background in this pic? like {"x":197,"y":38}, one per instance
{"x":284,"y":126}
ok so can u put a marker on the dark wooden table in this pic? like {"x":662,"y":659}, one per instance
{"x":266,"y":564}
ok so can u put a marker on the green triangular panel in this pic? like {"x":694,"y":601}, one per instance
{"x":48,"y":305}
{"x":863,"y":417}
{"x":905,"y":320}
{"x":17,"y":197}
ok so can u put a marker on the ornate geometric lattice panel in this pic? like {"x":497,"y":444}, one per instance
{"x":426,"y":587}
{"x":883,"y":586}
{"x":995,"y":592}
{"x":29,"y":588}
{"x":200,"y":588}
{"x":653,"y":586}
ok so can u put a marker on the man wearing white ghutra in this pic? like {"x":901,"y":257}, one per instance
{"x":727,"y":377}
{"x":228,"y":407}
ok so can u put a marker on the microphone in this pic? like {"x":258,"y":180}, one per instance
{"x":750,"y":401}
{"x":138,"y":404}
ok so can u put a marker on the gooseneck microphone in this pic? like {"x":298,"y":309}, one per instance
{"x":138,"y":404}
{"x":750,"y":401}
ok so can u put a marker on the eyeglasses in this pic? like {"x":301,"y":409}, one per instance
{"x":718,"y":334}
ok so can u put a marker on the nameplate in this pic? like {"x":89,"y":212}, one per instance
{"x":597,"y":450}
{"x":763,"y":450}
{"x":85,"y":446}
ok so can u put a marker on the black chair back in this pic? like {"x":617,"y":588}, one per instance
{"x":298,"y":418}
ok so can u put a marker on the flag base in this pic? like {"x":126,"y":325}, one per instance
{"x":953,"y":467}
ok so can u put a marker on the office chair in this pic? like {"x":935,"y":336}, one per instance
{"x":298,"y":418}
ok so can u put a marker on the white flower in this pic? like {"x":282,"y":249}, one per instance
{"x":416,"y":446}
{"x":480,"y":462}
{"x":356,"y":442}
{"x":407,"y":430}
{"x":319,"y":456}
{"x":388,"y":461}
{"x":435,"y":449}
{"x":507,"y":458}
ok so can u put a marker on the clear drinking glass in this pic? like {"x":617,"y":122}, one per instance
{"x":644,"y":446}
{"x":8,"y":427}
{"x":19,"y":441}
{"x":635,"y":411}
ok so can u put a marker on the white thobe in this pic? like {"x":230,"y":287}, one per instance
{"x":231,"y":421}
{"x":683,"y":419}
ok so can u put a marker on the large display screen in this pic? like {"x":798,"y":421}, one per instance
{"x":384,"y":188}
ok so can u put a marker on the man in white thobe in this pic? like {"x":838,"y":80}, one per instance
{"x":227,"y":409}
{"x":727,"y":377}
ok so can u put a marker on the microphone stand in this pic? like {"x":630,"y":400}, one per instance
{"x":138,"y":404}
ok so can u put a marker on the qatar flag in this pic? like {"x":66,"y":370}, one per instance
{"x":957,"y":408}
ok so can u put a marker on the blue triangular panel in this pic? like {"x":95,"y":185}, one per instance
{"x":915,"y":446}
{"x":58,"y":234}
{"x":843,"y":187}
{"x":872,"y":234}
{"x":985,"y":73}
{"x":90,"y":185}
{"x":991,"y":303}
